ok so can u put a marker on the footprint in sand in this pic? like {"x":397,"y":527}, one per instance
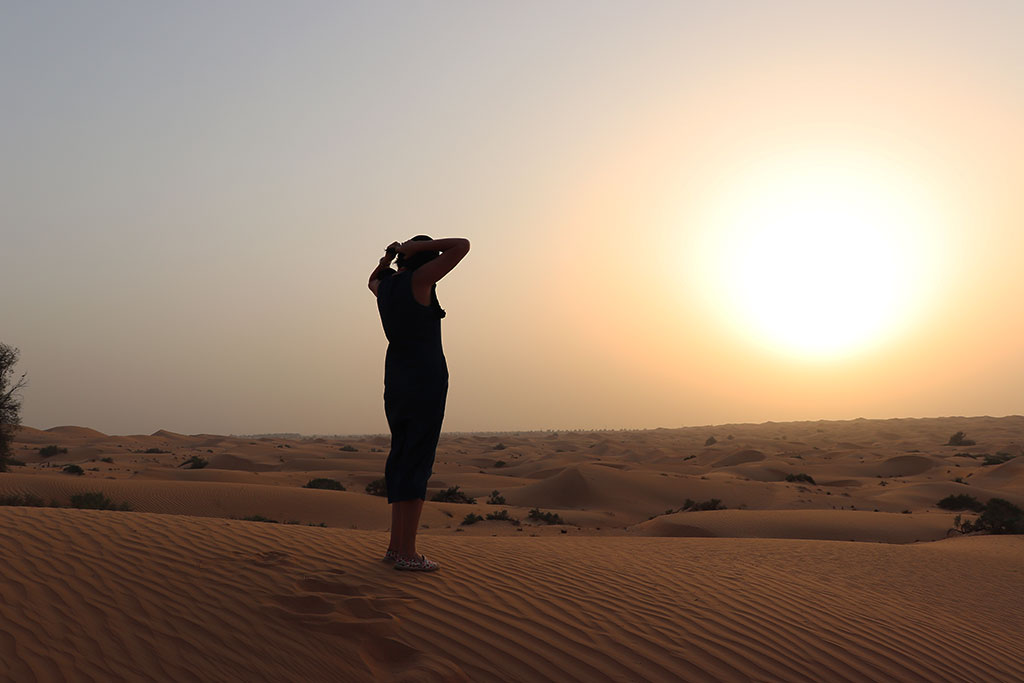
{"x":272,"y":558}
{"x":336,"y":607}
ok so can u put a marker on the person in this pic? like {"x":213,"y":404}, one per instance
{"x":415,"y":379}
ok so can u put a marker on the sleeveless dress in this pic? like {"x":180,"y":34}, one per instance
{"x":415,"y":385}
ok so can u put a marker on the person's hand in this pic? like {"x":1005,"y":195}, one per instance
{"x":389,"y":253}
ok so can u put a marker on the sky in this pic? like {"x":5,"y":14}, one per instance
{"x":681,"y":213}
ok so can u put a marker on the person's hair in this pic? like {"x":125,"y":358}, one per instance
{"x":419,"y":258}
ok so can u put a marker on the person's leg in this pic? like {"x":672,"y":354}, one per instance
{"x":409,"y":522}
{"x":396,"y":528}
{"x":393,"y":469}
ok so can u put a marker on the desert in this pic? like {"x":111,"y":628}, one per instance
{"x":656,"y":555}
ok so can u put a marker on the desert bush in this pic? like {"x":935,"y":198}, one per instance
{"x":500,"y":463}
{"x":94,"y":500}
{"x":155,"y":451}
{"x":1000,"y":516}
{"x":452,"y":494}
{"x":502,"y":516}
{"x":106,"y":460}
{"x":471,"y":518}
{"x":960,"y":439}
{"x":800,"y":477}
{"x":10,"y":402}
{"x":711,"y":441}
{"x":713,"y":504}
{"x":499,"y":447}
{"x":496,"y":498}
{"x":324,"y":483}
{"x":349,"y":449}
{"x":25,"y":500}
{"x":961,"y":502}
{"x":259,"y":518}
{"x":997,"y":459}
{"x":195,"y":463}
{"x":73,"y":469}
{"x":377,"y":487}
{"x":13,"y":462}
{"x":48,"y":451}
{"x":546,"y":517}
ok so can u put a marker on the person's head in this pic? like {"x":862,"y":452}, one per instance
{"x":419,"y":258}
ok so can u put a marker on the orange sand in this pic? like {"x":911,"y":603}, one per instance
{"x":793,"y":582}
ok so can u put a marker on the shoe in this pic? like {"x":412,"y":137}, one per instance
{"x":390,"y":556}
{"x":420,"y":564}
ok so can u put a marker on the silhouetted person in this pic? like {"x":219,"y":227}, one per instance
{"x":415,"y":379}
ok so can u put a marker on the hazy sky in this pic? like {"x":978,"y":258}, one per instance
{"x":681,"y":212}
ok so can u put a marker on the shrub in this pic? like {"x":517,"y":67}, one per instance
{"x":711,"y":441}
{"x":546,"y":517}
{"x":496,"y":498}
{"x":800,"y":477}
{"x":502,"y":516}
{"x":324,"y":483}
{"x":500,"y":447}
{"x":452,"y":494}
{"x":500,"y":463}
{"x":155,"y":451}
{"x":472,"y":518}
{"x":73,"y":469}
{"x":106,"y":460}
{"x":259,"y":518}
{"x":713,"y":504}
{"x":47,"y":451}
{"x":960,"y":439}
{"x":13,"y":462}
{"x":94,"y":500}
{"x":961,"y":502}
{"x":997,"y":459}
{"x":26,"y":500}
{"x":1001,"y":517}
{"x":10,"y":401}
{"x":195,"y":463}
{"x":349,"y":449}
{"x":377,"y":487}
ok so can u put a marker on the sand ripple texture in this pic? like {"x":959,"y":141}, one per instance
{"x":129,"y":596}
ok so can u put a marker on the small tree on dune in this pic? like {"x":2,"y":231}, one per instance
{"x":10,"y":401}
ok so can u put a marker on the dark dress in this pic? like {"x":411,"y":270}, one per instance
{"x":415,"y":385}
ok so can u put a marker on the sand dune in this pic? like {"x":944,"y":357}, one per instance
{"x":830,"y":562}
{"x":130,"y":596}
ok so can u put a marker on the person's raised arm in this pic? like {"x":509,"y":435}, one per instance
{"x":383,"y":266}
{"x":453,"y":250}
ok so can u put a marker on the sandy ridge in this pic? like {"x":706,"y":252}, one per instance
{"x":113,"y":595}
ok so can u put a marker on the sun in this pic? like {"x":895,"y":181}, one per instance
{"x":820,"y":258}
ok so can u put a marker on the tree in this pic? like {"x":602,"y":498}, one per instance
{"x":10,"y":401}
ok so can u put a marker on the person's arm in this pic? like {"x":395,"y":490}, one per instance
{"x":453,"y":250}
{"x":383,"y":266}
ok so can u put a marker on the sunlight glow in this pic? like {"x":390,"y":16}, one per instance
{"x":818,"y":258}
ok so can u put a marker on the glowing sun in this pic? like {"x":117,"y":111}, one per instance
{"x":819,"y":258}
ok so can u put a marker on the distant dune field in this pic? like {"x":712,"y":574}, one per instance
{"x":846,"y":573}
